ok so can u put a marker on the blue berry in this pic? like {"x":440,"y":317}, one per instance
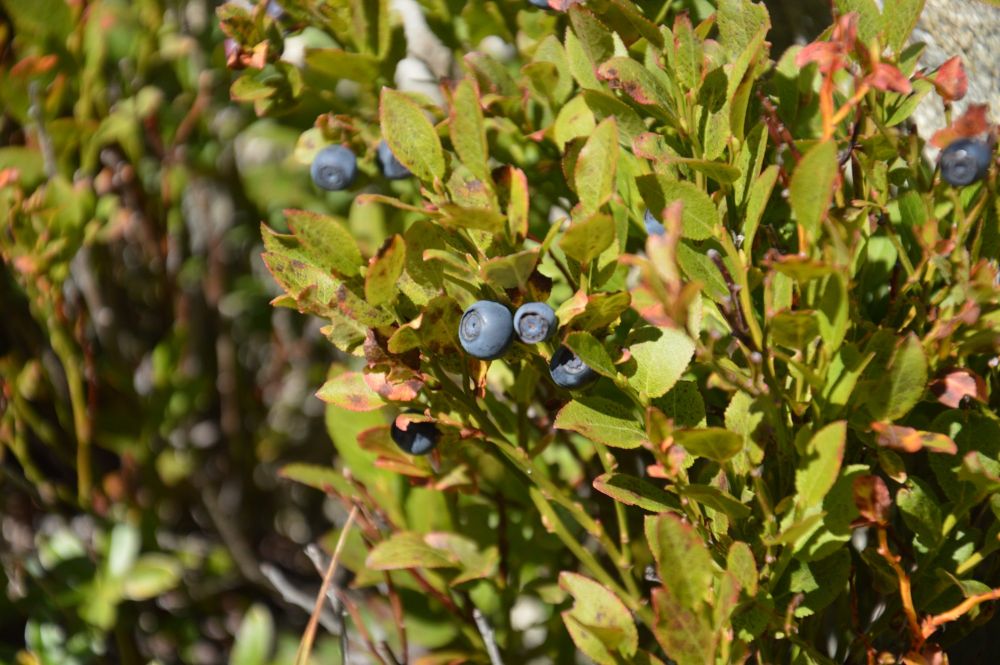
{"x":486,"y":330}
{"x":535,"y":322}
{"x":653,"y":226}
{"x":419,"y":438}
{"x":965,"y":161}
{"x":391,"y":167}
{"x":334,"y":168}
{"x":544,"y":4}
{"x":569,"y":371}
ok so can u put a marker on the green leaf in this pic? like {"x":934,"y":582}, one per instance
{"x":151,"y":576}
{"x":902,"y":386}
{"x":832,"y":311}
{"x":326,"y":241}
{"x":637,"y":82}
{"x":350,"y":391}
{"x":40,"y":18}
{"x":468,"y":133}
{"x":406,"y":549}
{"x":811,"y":189}
{"x":920,"y":510}
{"x":633,"y":491}
{"x":715,"y":499}
{"x":334,"y":64}
{"x":796,"y":330}
{"x":760,"y":194}
{"x":688,"y":58}
{"x":382,"y":278}
{"x":661,"y":356}
{"x":584,"y":240}
{"x":599,"y":623}
{"x":255,"y":638}
{"x":603,"y":106}
{"x":898,"y":20}
{"x":512,"y":271}
{"x":324,"y":478}
{"x":601,"y":310}
{"x":410,"y":135}
{"x":594,"y":36}
{"x":481,"y":219}
{"x":575,"y":119}
{"x":699,"y":217}
{"x":820,"y":464}
{"x":740,"y":562}
{"x":592,"y":352}
{"x":551,"y":51}
{"x":683,"y":404}
{"x":683,"y":562}
{"x":123,"y":549}
{"x":739,"y":23}
{"x":713,"y":443}
{"x":603,"y":420}
{"x":594,"y":173}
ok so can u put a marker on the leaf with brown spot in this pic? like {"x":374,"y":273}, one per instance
{"x":351,"y":391}
{"x":910,"y":440}
{"x":384,"y":269}
{"x":395,"y":391}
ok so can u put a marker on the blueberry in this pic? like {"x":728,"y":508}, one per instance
{"x":391,"y":168}
{"x":965,"y":161}
{"x":653,"y":226}
{"x":569,"y":371}
{"x":535,"y":322}
{"x":419,"y":438}
{"x":544,"y":4}
{"x":486,"y":330}
{"x":334,"y":168}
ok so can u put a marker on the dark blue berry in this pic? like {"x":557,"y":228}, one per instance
{"x":653,"y":226}
{"x":486,"y":330}
{"x":544,"y":4}
{"x":419,"y":438}
{"x":391,"y":167}
{"x":965,"y":161}
{"x":334,"y":168}
{"x":535,"y":322}
{"x":569,"y":371}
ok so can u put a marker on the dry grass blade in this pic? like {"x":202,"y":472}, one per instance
{"x":309,"y":636}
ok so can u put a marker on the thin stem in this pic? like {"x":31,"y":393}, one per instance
{"x":489,"y":639}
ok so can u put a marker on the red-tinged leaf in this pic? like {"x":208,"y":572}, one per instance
{"x":887,"y":77}
{"x":683,"y":633}
{"x":956,"y":385}
{"x":825,"y":54}
{"x":392,"y":390}
{"x":351,"y":391}
{"x":950,"y":80}
{"x":972,"y":123}
{"x":845,"y":32}
{"x":871,"y":496}
{"x":910,"y":440}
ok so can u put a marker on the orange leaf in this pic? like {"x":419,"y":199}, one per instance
{"x":955,"y":386}
{"x":972,"y":123}
{"x":887,"y":77}
{"x":950,"y":80}
{"x":910,"y":440}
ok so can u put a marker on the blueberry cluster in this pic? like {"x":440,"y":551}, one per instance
{"x":487,"y":331}
{"x":335,"y":167}
{"x":965,"y":161}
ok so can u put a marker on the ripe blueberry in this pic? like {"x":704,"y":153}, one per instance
{"x":391,"y":168}
{"x":653,"y":226}
{"x":535,"y":322}
{"x":486,"y":330}
{"x":334,"y":168}
{"x":965,"y":161}
{"x":544,"y":4}
{"x":569,"y":371}
{"x":419,"y":438}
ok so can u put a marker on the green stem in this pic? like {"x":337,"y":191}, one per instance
{"x":63,"y":348}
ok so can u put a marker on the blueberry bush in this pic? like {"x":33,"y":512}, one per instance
{"x":649,"y":344}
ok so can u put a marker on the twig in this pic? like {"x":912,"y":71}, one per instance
{"x":931,"y":623}
{"x":305,"y":646}
{"x":44,"y":140}
{"x":489,"y":639}
{"x":295,"y":596}
{"x":904,"y":585}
